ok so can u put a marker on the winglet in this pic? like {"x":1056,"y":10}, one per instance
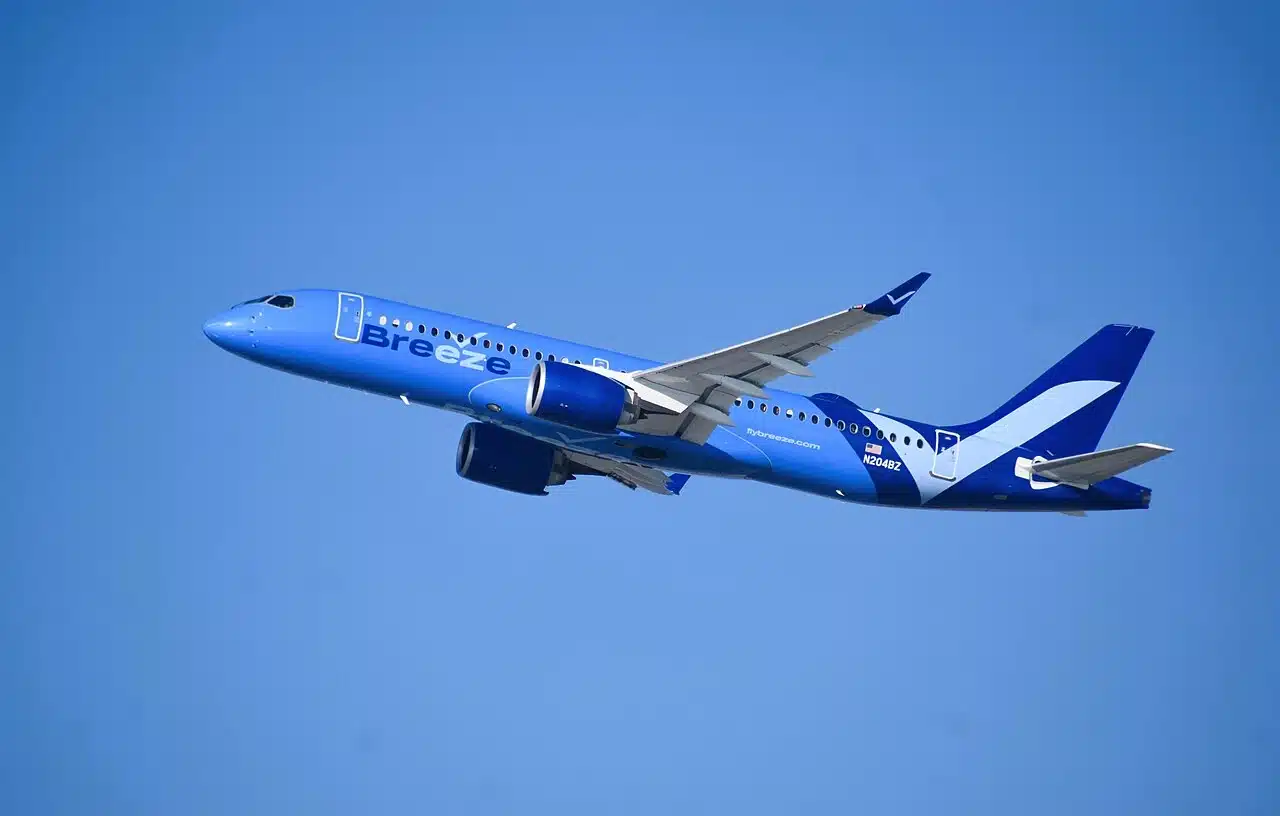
{"x":676,"y":482}
{"x":889,"y":304}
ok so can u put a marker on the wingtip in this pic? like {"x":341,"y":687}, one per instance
{"x":677,"y":482}
{"x":892,"y":302}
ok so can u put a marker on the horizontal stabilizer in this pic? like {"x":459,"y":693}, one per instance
{"x":1085,"y":469}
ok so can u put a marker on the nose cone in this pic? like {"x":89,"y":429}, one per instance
{"x":231,"y":331}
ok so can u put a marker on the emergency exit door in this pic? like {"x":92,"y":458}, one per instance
{"x":350,"y":317}
{"x":946,"y":454}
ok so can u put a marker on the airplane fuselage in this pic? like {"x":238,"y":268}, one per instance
{"x":823,"y":444}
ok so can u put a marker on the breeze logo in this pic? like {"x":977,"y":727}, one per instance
{"x":378,"y":337}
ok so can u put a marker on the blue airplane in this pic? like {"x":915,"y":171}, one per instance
{"x":547,"y":411}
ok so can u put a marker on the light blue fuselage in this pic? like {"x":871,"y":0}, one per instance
{"x":822,"y":444}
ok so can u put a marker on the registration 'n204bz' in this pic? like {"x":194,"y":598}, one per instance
{"x":880,"y":461}
{"x":379,"y":337}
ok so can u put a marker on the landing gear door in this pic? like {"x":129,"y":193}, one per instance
{"x":350,"y":317}
{"x":946,"y":455}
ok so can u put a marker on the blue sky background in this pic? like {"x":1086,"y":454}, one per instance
{"x":225,"y":590}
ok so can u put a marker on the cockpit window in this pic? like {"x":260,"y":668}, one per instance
{"x":262,"y":299}
{"x":281,"y":301}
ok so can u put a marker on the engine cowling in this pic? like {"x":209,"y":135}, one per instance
{"x":579,"y":397}
{"x":494,"y":456}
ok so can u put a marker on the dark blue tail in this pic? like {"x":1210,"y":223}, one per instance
{"x":1104,"y":363}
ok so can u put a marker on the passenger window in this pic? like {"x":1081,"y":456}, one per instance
{"x":866,"y":430}
{"x":434,"y":331}
{"x":422,"y":329}
{"x":789,"y":413}
{"x":751,"y":405}
{"x":802,"y":416}
{"x":919,"y":442}
{"x":879,"y":434}
{"x":473,"y":340}
{"x":524,"y":352}
{"x":395,"y":321}
{"x":827,"y":421}
{"x":551,"y":358}
{"x":577,"y":362}
{"x":906,"y":440}
{"x":814,"y":418}
{"x":776,"y":410}
{"x":511,"y":350}
{"x":447,"y":336}
{"x":893,"y":437}
{"x":462,"y":338}
{"x":499,"y":347}
{"x":382,"y":320}
{"x":537,"y":355}
{"x":408,"y":325}
{"x":486,"y":344}
{"x":840,"y":425}
{"x":764,"y":409}
{"x":738,"y":401}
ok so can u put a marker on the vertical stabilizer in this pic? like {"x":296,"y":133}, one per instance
{"x":1073,"y":401}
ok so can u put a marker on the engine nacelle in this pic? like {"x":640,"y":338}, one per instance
{"x":579,"y":397}
{"x":494,"y":456}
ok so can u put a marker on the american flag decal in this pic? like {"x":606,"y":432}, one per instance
{"x":873,"y":449}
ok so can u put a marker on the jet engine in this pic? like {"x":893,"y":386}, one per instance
{"x":579,"y":397}
{"x":494,"y":456}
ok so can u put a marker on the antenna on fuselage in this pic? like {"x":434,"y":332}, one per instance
{"x":511,"y":325}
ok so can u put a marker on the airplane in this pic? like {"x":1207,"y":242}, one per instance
{"x":546,"y":411}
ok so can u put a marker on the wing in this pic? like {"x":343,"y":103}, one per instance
{"x":631,"y":475}
{"x":706,"y":386}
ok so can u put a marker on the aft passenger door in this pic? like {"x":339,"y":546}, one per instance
{"x":350,"y":317}
{"x":946,"y":454}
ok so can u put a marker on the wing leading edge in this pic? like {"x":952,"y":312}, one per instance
{"x":708,"y":384}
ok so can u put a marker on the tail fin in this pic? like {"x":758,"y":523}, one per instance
{"x":1066,"y":409}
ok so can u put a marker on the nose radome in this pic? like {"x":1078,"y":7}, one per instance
{"x":212,"y":327}
{"x":229,"y":331}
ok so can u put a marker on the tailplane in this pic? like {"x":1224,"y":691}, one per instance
{"x":1086,"y":469}
{"x":1066,"y":409}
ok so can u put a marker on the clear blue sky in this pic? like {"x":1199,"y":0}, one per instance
{"x":225,"y":590}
